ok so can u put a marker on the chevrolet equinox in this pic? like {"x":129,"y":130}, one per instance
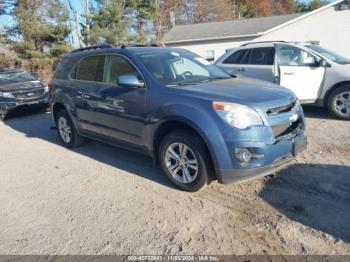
{"x":196,"y":121}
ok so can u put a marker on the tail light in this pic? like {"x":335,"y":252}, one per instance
{"x":49,"y":87}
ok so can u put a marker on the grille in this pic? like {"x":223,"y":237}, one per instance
{"x":280,"y":109}
{"x":286,"y":129}
{"x":24,"y":95}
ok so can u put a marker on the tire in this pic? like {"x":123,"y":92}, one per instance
{"x":2,"y":117}
{"x":335,"y":98}
{"x":74,"y":138}
{"x":196,"y":151}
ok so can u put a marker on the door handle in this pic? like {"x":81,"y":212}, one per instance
{"x":76,"y":90}
{"x":242,"y":69}
{"x":86,"y":96}
{"x":289,"y":73}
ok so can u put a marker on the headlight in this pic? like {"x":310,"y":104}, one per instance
{"x":6,"y":94}
{"x":46,"y":89}
{"x":237,"y":115}
{"x":297,"y":106}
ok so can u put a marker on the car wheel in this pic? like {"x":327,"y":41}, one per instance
{"x":2,"y":117}
{"x":339,"y":102}
{"x":184,"y":159}
{"x":66,"y":130}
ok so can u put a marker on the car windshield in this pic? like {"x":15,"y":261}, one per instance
{"x":329,"y":54}
{"x":7,"y":77}
{"x":181,"y":68}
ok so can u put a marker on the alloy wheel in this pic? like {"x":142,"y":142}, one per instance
{"x":342,"y":104}
{"x":181,"y":163}
{"x":65,"y":130}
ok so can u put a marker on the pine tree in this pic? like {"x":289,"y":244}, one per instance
{"x":147,"y":12}
{"x":111,"y":21}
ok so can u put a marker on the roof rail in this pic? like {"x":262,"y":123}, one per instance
{"x":263,"y":42}
{"x":106,"y":46}
{"x":139,"y":45}
{"x":93,"y":47}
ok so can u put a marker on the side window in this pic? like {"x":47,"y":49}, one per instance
{"x":236,"y":57}
{"x":293,"y":56}
{"x":115,"y":66}
{"x":262,"y":56}
{"x":87,"y":68}
{"x":246,"y":58}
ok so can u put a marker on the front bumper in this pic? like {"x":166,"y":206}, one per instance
{"x":276,"y":157}
{"x":9,"y":105}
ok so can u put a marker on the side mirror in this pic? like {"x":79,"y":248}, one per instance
{"x":129,"y":80}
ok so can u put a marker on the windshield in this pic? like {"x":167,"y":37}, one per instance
{"x":329,"y":54}
{"x":181,"y":68}
{"x":7,"y":77}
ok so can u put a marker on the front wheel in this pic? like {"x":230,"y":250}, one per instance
{"x":184,"y":159}
{"x":339,"y":102}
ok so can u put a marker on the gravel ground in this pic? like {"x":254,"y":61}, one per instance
{"x":97,"y":199}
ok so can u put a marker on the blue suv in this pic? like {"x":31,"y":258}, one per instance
{"x":196,"y":121}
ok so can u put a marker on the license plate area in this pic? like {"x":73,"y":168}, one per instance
{"x":299,"y":145}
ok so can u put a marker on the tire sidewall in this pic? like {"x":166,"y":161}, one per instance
{"x":195,"y":144}
{"x":332,"y":97}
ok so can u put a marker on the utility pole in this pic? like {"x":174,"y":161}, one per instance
{"x":77,"y":23}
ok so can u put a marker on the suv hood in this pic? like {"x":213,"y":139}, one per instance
{"x":246,"y":91}
{"x":11,"y":87}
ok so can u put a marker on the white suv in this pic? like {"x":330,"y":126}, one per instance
{"x":315,"y":74}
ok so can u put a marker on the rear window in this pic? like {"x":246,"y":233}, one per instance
{"x":262,"y":56}
{"x":64,"y":67}
{"x":87,"y":68}
{"x":236,"y":57}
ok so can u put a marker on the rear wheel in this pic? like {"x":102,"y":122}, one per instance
{"x":184,"y":159}
{"x":66,"y":130}
{"x":339,"y":102}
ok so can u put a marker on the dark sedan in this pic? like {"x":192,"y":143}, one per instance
{"x":19,"y":89}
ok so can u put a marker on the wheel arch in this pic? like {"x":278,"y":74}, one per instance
{"x":332,"y":89}
{"x":172,"y":124}
{"x":57,"y":107}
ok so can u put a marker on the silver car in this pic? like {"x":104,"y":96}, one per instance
{"x":316,"y":75}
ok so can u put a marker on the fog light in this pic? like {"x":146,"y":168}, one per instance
{"x":243,"y":155}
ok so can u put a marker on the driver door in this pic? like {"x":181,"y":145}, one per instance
{"x":120,"y":110}
{"x":300,"y":72}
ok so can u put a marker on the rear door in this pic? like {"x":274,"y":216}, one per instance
{"x":260,"y":65}
{"x":233,"y":63}
{"x":83,"y":90}
{"x":300,"y":71}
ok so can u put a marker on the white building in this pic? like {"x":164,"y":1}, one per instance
{"x":328,"y":26}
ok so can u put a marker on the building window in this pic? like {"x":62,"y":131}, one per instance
{"x":209,"y":55}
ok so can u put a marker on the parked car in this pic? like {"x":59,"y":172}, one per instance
{"x":18,"y":89}
{"x":316,"y":75}
{"x":195,"y":120}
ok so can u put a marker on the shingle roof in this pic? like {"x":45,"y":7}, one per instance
{"x":226,"y":29}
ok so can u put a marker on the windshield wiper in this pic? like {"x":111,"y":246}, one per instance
{"x":214,"y":78}
{"x":182,"y":84}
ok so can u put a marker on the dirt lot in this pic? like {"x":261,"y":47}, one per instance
{"x":97,"y":199}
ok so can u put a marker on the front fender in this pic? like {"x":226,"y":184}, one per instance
{"x":204,"y":122}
